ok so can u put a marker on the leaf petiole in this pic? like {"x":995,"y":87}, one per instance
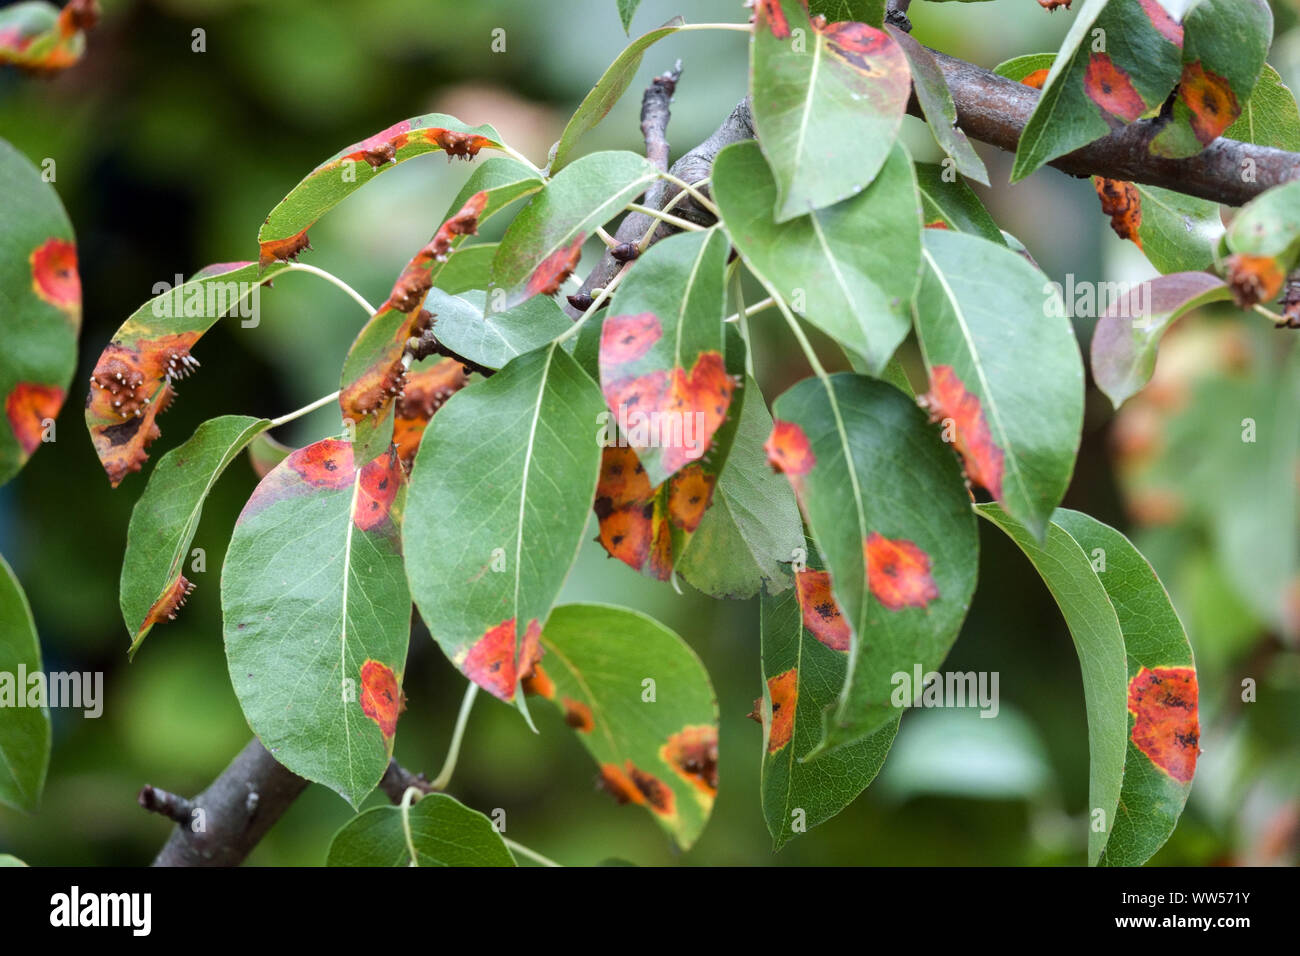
{"x":665,"y":217}
{"x":333,"y":280}
{"x":306,"y":409}
{"x":441,"y":781}
{"x":531,"y":854}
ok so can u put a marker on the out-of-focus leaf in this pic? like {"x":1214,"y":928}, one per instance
{"x":803,"y":671}
{"x":1031,"y":66}
{"x":890,"y":516}
{"x":265,"y":452}
{"x":1270,"y":117}
{"x":488,"y":545}
{"x":40,"y":308}
{"x":1224,"y":45}
{"x":953,"y":203}
{"x":317,"y":614}
{"x":642,"y":704}
{"x":981,"y":309}
{"x":9,"y":860}
{"x":443,"y":832}
{"x":40,"y":38}
{"x":1127,"y":335}
{"x":627,"y":10}
{"x":166,"y":518}
{"x":284,"y":233}
{"x":595,"y":106}
{"x":936,"y":103}
{"x":1098,"y":80}
{"x":25,"y":729}
{"x":662,"y":369}
{"x":870,"y":12}
{"x":1179,"y":233}
{"x":543,"y":243}
{"x":850,"y":269}
{"x":828,"y":100}
{"x":1139,"y":682}
{"x":753,"y":525}
{"x":132,"y":381}
{"x":492,"y":340}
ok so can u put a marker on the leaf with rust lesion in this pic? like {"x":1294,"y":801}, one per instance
{"x":41,"y":39}
{"x":1120,"y":200}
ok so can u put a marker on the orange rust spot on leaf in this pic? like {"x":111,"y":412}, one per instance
{"x":622,"y":477}
{"x":1210,"y":99}
{"x":768,"y":13}
{"x":656,"y":793}
{"x":578,"y":715}
{"x":898,"y":572}
{"x":661,"y":554}
{"x":821,"y":615}
{"x":789,"y":451}
{"x":555,"y":268}
{"x":626,"y":338}
{"x":380,"y":148}
{"x":530,"y":649}
{"x":936,"y":224}
{"x":539,"y":683}
{"x":54,"y":274}
{"x":282,"y":250}
{"x":325,"y":464}
{"x":380,"y":482}
{"x":619,"y":785}
{"x":693,"y":753}
{"x":1120,"y":200}
{"x":1254,"y":279}
{"x":1110,"y":88}
{"x":949,"y":399}
{"x":372,"y":390}
{"x":700,"y":397}
{"x":1166,"y":25}
{"x":784,"y":691}
{"x":382,"y":699}
{"x":491,"y":661}
{"x":859,"y":45}
{"x":121,"y":447}
{"x":627,"y":532}
{"x":689,"y":493}
{"x":1167,"y":729}
{"x":426,"y":391}
{"x":640,"y":394}
{"x":1036,"y":79}
{"x":27,"y":407}
{"x":169,"y":604}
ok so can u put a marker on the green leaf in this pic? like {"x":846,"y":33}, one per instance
{"x":850,"y":269}
{"x":167,"y":516}
{"x":1127,"y":335}
{"x":40,"y":307}
{"x":609,"y":89}
{"x":132,"y":381}
{"x":936,"y":103}
{"x":1270,"y":117}
{"x":1269,"y":225}
{"x":1179,"y":233}
{"x":1224,"y":45}
{"x":503,"y":179}
{"x":1139,"y":681}
{"x":890,"y":516}
{"x":626,"y":10}
{"x":470,"y":268}
{"x":488,"y":550}
{"x":981,"y":310}
{"x":827,"y":103}
{"x":1019,"y":67}
{"x":443,"y":832}
{"x":284,"y":233}
{"x":542,"y":245}
{"x":662,"y":370}
{"x":953,"y":203}
{"x":753,"y":524}
{"x":39,"y":37}
{"x":870,"y":12}
{"x":7,"y":859}
{"x":492,"y":340}
{"x":1089,"y":87}
{"x":642,"y":704}
{"x":317,"y":614}
{"x":802,"y":676}
{"x":264,"y":453}
{"x":24,"y":731}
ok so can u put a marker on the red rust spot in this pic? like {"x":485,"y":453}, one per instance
{"x":1036,"y":79}
{"x":372,"y":390}
{"x":491,"y":661}
{"x":1164,"y":702}
{"x":1254,"y":279}
{"x":784,"y":691}
{"x":1210,"y":99}
{"x":949,"y":399}
{"x":689,"y":493}
{"x":426,"y":391}
{"x":768,"y":13}
{"x":54,"y":274}
{"x":382,"y":699}
{"x":380,"y":148}
{"x":693,"y":754}
{"x":626,"y":338}
{"x":627,"y":532}
{"x":530,"y":649}
{"x":623,"y":480}
{"x":656,"y":793}
{"x":1110,"y":88}
{"x":898,"y":572}
{"x":27,"y":407}
{"x":821,"y":615}
{"x":1166,"y":25}
{"x":789,"y":451}
{"x":937,"y":224}
{"x":555,"y":268}
{"x":1120,"y":200}
{"x":861,"y":46}
{"x":380,"y":482}
{"x":697,"y":401}
{"x":643,"y":393}
{"x":282,"y":250}
{"x":539,"y":683}
{"x":170,"y":603}
{"x":578,"y":715}
{"x":325,"y":464}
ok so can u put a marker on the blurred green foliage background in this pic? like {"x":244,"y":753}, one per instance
{"x":168,"y":159}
